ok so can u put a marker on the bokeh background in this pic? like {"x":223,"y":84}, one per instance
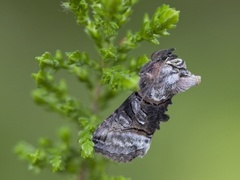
{"x":202,"y":138}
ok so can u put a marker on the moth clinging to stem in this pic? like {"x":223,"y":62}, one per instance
{"x":127,"y":132}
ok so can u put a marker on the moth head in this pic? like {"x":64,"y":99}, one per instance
{"x":176,"y":75}
{"x":165,"y":75}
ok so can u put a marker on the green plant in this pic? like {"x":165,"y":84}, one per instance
{"x":112,"y":73}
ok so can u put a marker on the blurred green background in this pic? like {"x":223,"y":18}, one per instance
{"x":201,"y":140}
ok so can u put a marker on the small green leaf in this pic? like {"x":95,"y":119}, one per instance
{"x":87,"y":149}
{"x":118,"y":77}
{"x":57,"y":163}
{"x":86,"y":144}
{"x":80,"y":9}
{"x":108,"y":53}
{"x":163,"y":19}
{"x":135,"y":65}
{"x":85,"y":136}
{"x":23,"y":149}
{"x":80,"y":72}
{"x":59,"y":56}
{"x":109,"y":28}
{"x":64,"y":134}
{"x":77,"y":58}
{"x":45,"y":143}
{"x":37,"y":157}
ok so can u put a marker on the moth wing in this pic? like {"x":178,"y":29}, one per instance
{"x":119,"y":137}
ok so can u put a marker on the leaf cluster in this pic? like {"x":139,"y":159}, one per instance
{"x":114,"y":71}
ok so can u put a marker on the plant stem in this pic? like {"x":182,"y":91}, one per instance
{"x":95,"y":101}
{"x":82,"y":175}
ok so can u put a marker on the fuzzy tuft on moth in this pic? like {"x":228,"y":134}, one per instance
{"x":127,"y":132}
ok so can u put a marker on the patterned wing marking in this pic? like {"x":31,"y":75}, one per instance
{"x":127,"y":133}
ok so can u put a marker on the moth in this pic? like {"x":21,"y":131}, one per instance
{"x":127,"y":132}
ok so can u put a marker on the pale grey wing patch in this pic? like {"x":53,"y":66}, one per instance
{"x":123,"y":146}
{"x":123,"y":119}
{"x":140,"y":115}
